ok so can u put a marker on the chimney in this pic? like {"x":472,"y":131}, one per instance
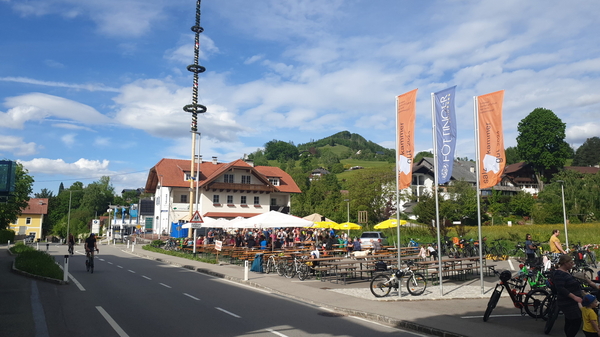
{"x":214,"y":160}
{"x":250,"y":162}
{"x":472,"y":169}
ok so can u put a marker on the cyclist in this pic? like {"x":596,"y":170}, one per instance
{"x":71,"y":243}
{"x":91,"y":245}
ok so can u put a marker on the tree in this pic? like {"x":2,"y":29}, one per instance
{"x":19,"y":199}
{"x":373,"y":190}
{"x":462,"y":204}
{"x":44,"y":193}
{"x":422,"y":155}
{"x":541,"y":143}
{"x":512,"y":155}
{"x":588,"y":154}
{"x":281,"y":151}
{"x":259,"y":158}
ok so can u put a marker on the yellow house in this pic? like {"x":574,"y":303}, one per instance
{"x":32,"y":218}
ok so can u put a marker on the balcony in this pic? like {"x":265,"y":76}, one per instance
{"x":240,"y":187}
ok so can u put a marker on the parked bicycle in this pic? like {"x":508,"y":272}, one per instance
{"x":528,"y":302}
{"x":272,"y":264}
{"x":298,"y":267}
{"x":382,"y":284}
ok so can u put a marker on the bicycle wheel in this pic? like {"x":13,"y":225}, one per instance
{"x":551,"y":316}
{"x":381,"y":285}
{"x":281,"y":265}
{"x":91,"y":266}
{"x":492,"y":302}
{"x":533,"y":302}
{"x":87,"y":264}
{"x":290,"y":270}
{"x":588,"y":272}
{"x":416,"y":284}
{"x":270,"y":266}
{"x":303,"y":271}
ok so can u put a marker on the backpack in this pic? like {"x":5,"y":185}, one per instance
{"x":380,"y":266}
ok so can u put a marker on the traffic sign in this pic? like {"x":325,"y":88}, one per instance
{"x":197,"y":218}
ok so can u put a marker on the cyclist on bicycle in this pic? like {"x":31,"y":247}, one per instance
{"x":90,"y":244}
{"x":71,"y":243}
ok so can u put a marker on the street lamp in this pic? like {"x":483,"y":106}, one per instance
{"x":562,"y":189}
{"x":348,"y":209}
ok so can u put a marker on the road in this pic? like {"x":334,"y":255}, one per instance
{"x":131,"y":296}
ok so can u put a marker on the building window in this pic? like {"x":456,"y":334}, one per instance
{"x":215,"y":198}
{"x":256,"y":200}
{"x":246,"y":180}
{"x":243,"y":200}
{"x":28,"y":221}
{"x":274,"y":181}
{"x":230,"y":199}
{"x":418,"y":180}
{"x":228,"y":178}
{"x":273,"y":201}
{"x":187,"y":177}
{"x":183,"y":198}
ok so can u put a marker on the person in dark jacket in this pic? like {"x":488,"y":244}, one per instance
{"x":569,"y":295}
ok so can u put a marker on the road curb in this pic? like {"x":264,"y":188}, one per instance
{"x":37,"y":277}
{"x":363,"y":314}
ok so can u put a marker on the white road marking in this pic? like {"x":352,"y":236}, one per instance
{"x":511,"y":265}
{"x":146,"y":277}
{"x":110,"y":263}
{"x":227,"y":312}
{"x":120,"y":267}
{"x":131,"y":271}
{"x":511,"y":315}
{"x":164,"y":285}
{"x":190,"y":296}
{"x":76,"y":282}
{"x":101,"y":260}
{"x":112,"y":322}
{"x":276,"y":333}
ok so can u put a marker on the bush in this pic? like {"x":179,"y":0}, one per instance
{"x":37,"y":262}
{"x":157,"y":243}
{"x":7,"y":234}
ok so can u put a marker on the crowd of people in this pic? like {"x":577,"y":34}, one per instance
{"x":271,"y":238}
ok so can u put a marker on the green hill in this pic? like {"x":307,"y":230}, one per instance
{"x":348,"y":145}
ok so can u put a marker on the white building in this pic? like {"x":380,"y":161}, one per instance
{"x":226,"y":190}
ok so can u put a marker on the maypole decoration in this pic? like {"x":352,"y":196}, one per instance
{"x":195,"y":108}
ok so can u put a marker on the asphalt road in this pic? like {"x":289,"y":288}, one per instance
{"x":131,"y":296}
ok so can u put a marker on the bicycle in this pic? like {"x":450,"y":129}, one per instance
{"x":382,"y":284}
{"x":297,"y":267}
{"x":497,"y":251}
{"x":533,"y":299}
{"x":89,"y":261}
{"x":272,"y":264}
{"x":70,"y":249}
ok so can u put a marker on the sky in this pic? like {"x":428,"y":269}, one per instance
{"x":96,"y":88}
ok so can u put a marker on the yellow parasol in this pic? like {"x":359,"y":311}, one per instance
{"x":325,"y":224}
{"x":389,"y":223}
{"x":348,"y":226}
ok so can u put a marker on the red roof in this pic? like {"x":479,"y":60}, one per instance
{"x":171,"y":173}
{"x":36,"y":206}
{"x":583,"y":169}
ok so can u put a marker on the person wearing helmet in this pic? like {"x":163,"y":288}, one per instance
{"x":90,"y":244}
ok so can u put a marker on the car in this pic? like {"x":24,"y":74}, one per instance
{"x":367,"y":239}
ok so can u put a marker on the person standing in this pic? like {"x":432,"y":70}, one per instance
{"x":569,"y":295}
{"x":529,"y":250}
{"x":555,"y":246}
{"x":589,"y":316}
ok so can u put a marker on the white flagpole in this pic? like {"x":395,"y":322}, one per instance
{"x":435,"y":188}
{"x":398,"y":200}
{"x":477,"y":168}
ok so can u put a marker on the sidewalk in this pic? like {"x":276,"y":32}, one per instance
{"x":458,"y":313}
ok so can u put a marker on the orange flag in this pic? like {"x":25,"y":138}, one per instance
{"x":491,"y":139}
{"x":405,"y":137}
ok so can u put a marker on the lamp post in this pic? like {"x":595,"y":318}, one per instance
{"x":348,"y":209}
{"x":562,"y":190}
{"x":69,"y":216}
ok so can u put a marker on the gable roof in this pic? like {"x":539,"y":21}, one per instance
{"x":36,"y":206}
{"x":171,"y":172}
{"x":583,"y":169}
{"x":461,"y":170}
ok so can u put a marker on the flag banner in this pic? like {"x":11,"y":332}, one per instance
{"x":405,"y":137}
{"x":491,"y":139}
{"x":445,"y":129}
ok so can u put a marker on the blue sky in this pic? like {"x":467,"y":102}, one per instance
{"x":96,"y":88}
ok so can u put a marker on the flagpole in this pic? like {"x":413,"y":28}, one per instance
{"x":435,"y":188}
{"x":477,"y":173}
{"x":398,"y":200}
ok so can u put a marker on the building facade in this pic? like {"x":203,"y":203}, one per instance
{"x":31,"y":219}
{"x":225,"y":190}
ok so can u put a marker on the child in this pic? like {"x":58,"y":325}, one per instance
{"x":590,"y":318}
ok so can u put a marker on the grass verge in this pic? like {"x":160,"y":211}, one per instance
{"x":36,"y":262}
{"x":179,"y":254}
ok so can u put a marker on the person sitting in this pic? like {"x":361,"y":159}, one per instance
{"x":356,"y":245}
{"x":277,"y":244}
{"x":263,"y":242}
{"x":432,"y":251}
{"x":250,"y":242}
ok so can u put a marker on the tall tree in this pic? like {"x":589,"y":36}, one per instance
{"x":10,"y":211}
{"x":371,"y":190}
{"x":541,"y":142}
{"x":512,"y":155}
{"x":44,"y":193}
{"x":588,"y":154}
{"x":281,"y":151}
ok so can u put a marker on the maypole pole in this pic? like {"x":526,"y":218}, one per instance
{"x":195,"y":108}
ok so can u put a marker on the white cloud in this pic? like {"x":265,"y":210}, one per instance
{"x":81,"y":168}
{"x":88,"y":87}
{"x":184,"y":54}
{"x":16,"y":145}
{"x":254,"y":58}
{"x":68,"y":139}
{"x":38,"y":106}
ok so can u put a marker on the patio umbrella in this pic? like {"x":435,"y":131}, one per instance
{"x":325,"y":224}
{"x":389,"y":223}
{"x":275,"y":220}
{"x":348,"y":226}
